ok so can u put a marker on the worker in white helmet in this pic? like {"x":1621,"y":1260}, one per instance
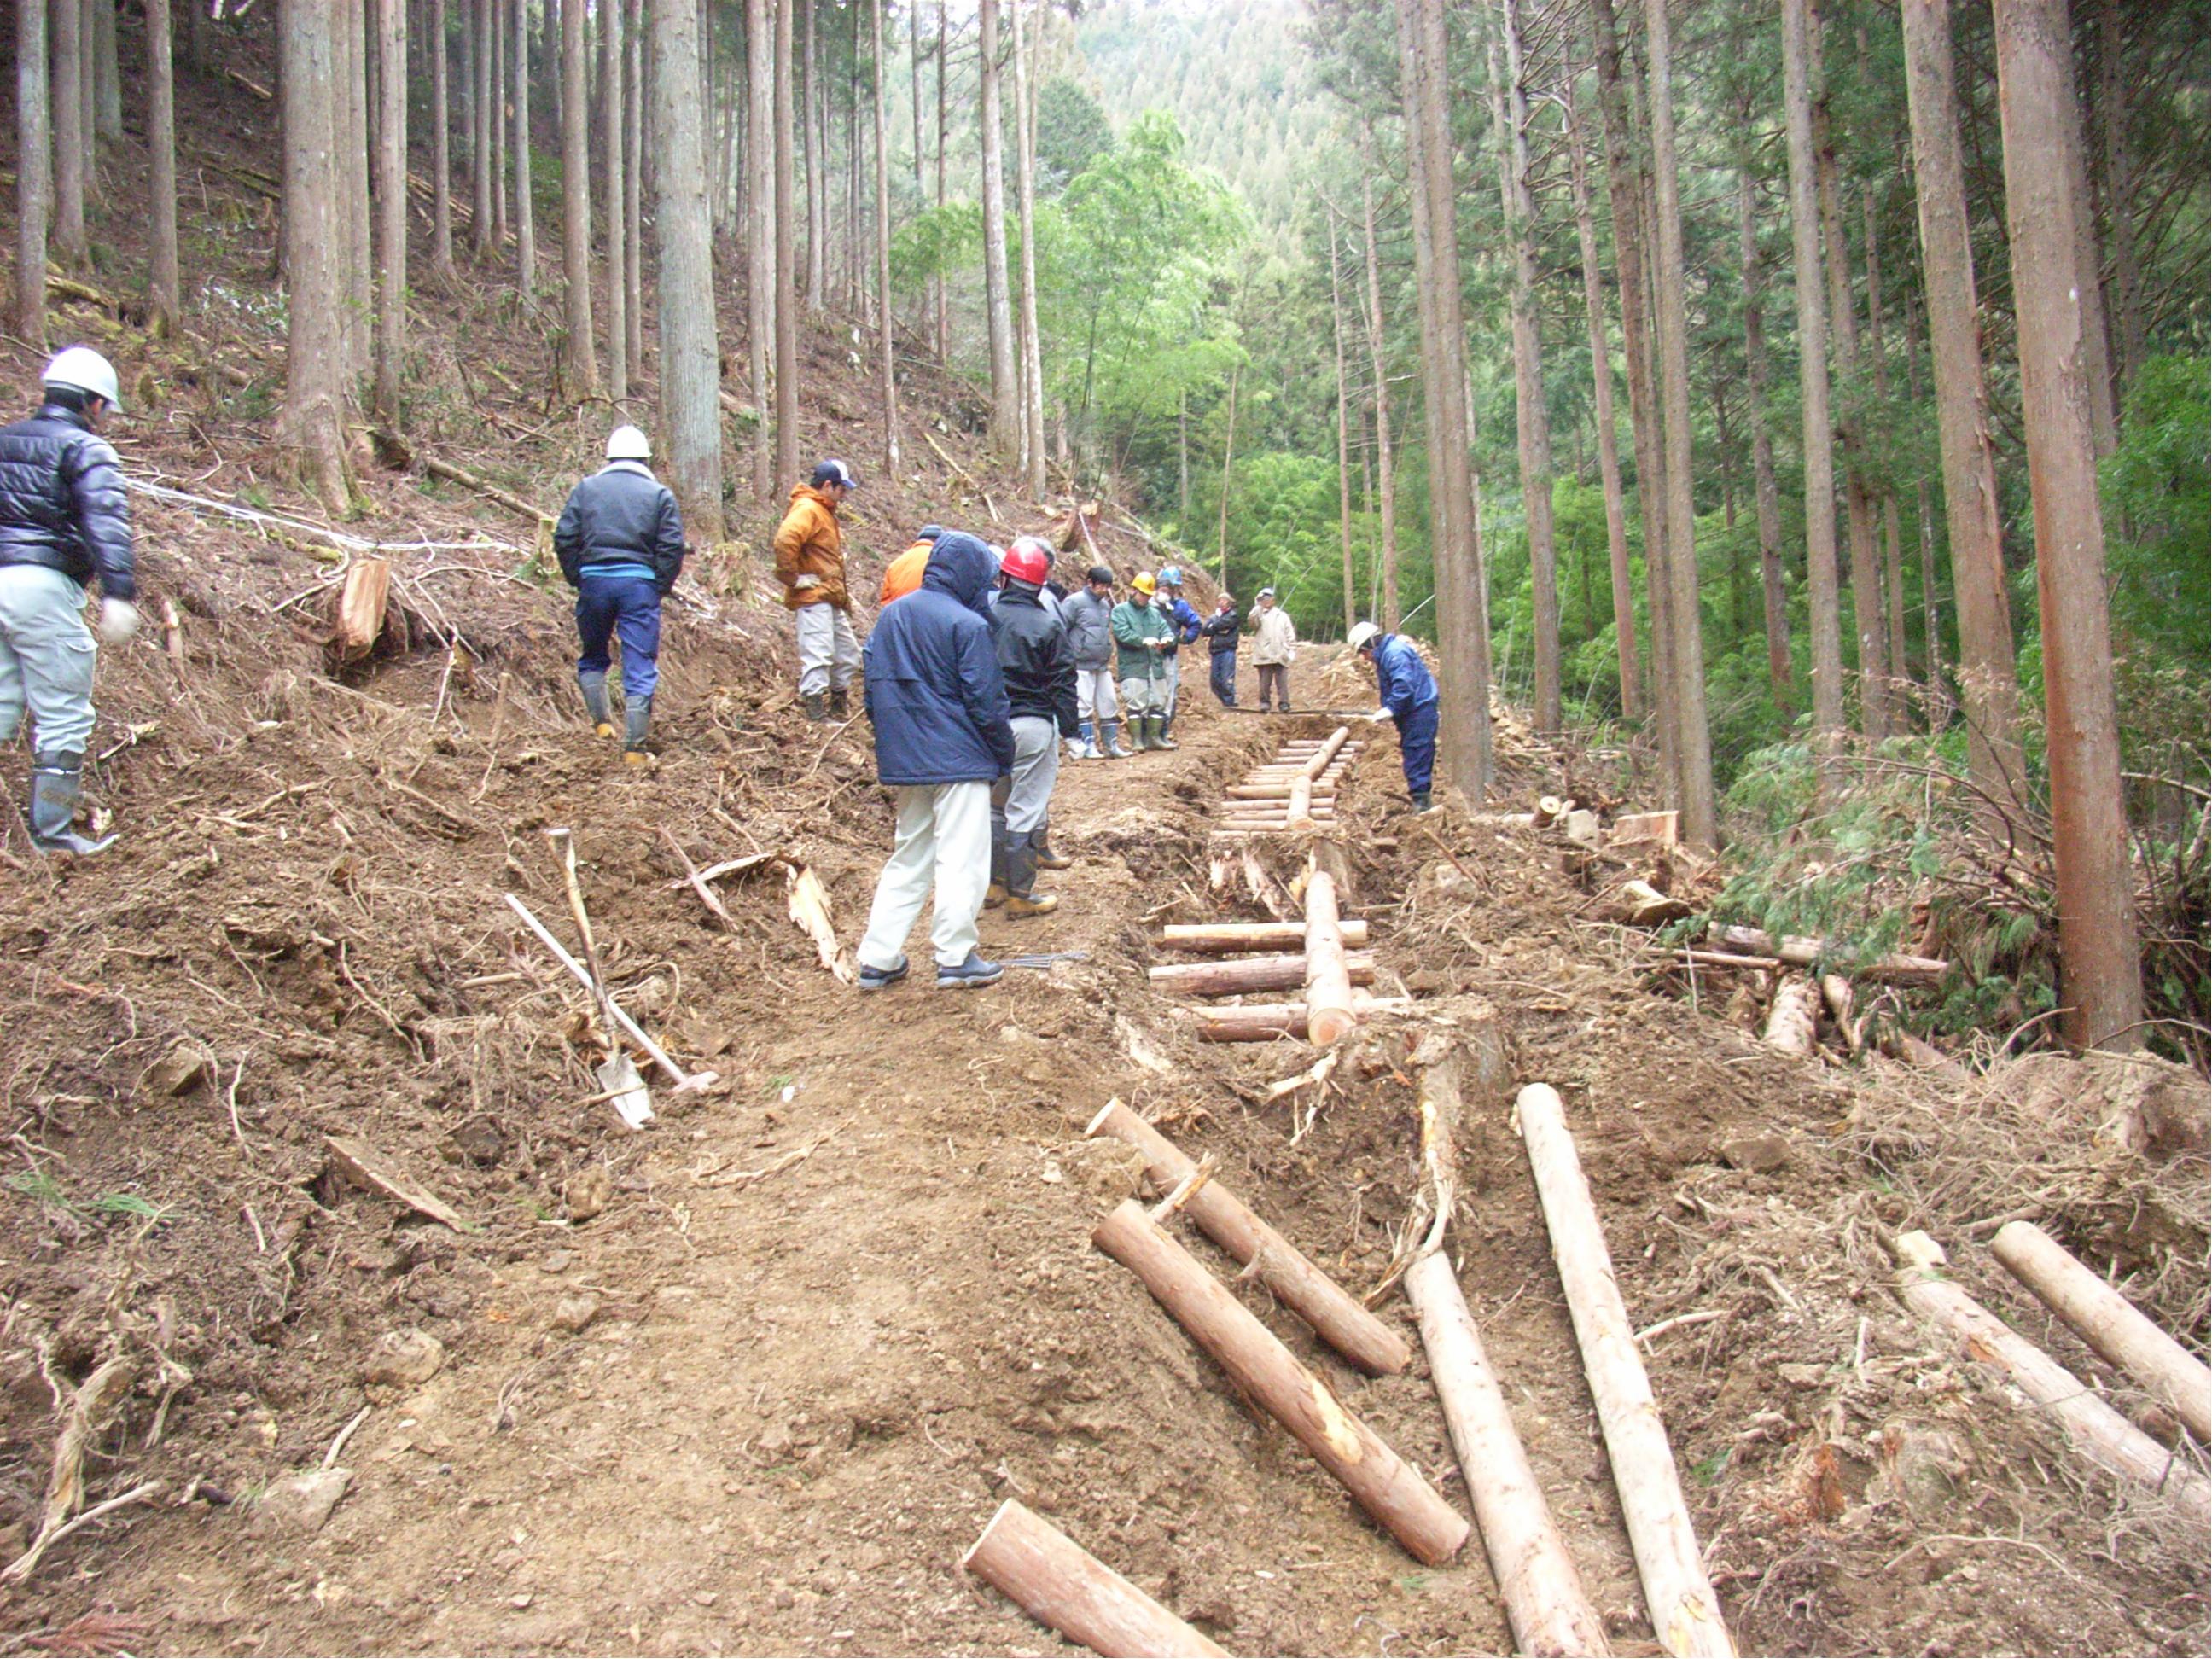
{"x":620,"y":541}
{"x":64,"y":524}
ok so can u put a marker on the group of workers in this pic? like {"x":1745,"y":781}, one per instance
{"x":980,"y":668}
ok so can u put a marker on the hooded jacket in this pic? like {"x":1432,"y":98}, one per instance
{"x":622,"y":518}
{"x":933,"y":688}
{"x":1032,"y":642}
{"x":1134,"y":621}
{"x":1402,"y":680}
{"x":809,"y":543}
{"x":1089,"y":616}
{"x":61,"y":504}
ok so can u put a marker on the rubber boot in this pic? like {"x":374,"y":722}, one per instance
{"x":817,"y":705}
{"x":1160,"y":739}
{"x":995,"y":894}
{"x":1141,"y":733}
{"x":841,"y":707}
{"x":637,"y":720}
{"x":57,"y":782}
{"x":1421,"y":802}
{"x":1083,"y":747}
{"x":1111,"y":730}
{"x":1041,"y":844}
{"x":1021,"y":898}
{"x":594,"y":687}
{"x":1155,"y":735}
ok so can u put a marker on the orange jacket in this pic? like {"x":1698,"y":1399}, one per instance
{"x":810,"y":544}
{"x":903,"y":574}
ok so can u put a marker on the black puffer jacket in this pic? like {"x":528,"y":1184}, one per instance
{"x":1031,"y":643}
{"x":1220,"y":630}
{"x":62,"y":504}
{"x":621,"y":515}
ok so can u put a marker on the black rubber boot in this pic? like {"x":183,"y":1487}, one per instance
{"x":594,"y":688}
{"x":637,"y":720}
{"x":57,"y":784}
{"x":995,"y":894}
{"x":817,"y":705}
{"x":1421,"y":800}
{"x":841,"y":707}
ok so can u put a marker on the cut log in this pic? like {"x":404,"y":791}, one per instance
{"x":1511,"y":820}
{"x":1330,"y":1016}
{"x":1633,"y":829}
{"x":1549,"y":1611}
{"x":1327,"y":753}
{"x":1264,"y":1022}
{"x":1549,"y":810}
{"x":1391,"y":1490}
{"x":1223,"y":979}
{"x":365,"y":1166}
{"x":1639,"y":904}
{"x":1685,"y":1613}
{"x":1058,"y":1583}
{"x":513,"y":503}
{"x":359,"y":619}
{"x":1211,"y":937}
{"x":1580,"y":827}
{"x":1300,"y":813}
{"x":1728,"y":962}
{"x":1801,"y":952}
{"x":1793,"y":1024}
{"x":1274,"y":792}
{"x":1836,"y":991}
{"x":1921,"y":1056}
{"x":2103,"y":1435}
{"x":1336,"y":1317}
{"x":2109,"y":1323}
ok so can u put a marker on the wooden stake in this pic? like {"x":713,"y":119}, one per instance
{"x":1214,"y":937}
{"x":1329,"y":1015}
{"x":2109,"y":1323}
{"x":1058,"y":1583}
{"x":2105,"y":1438}
{"x":360,"y":617}
{"x":1685,"y":1613}
{"x":1336,"y":1315}
{"x":1389,"y":1489}
{"x":1221,"y":979}
{"x":1545,"y":1604}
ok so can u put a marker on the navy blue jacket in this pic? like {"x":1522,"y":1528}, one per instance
{"x":1189,"y":624}
{"x":60,"y":501}
{"x":621,"y":518}
{"x":1402,"y":680}
{"x":1221,"y":630}
{"x":934,"y":690}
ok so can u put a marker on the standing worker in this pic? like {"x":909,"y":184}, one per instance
{"x":1221,"y":630}
{"x":1187,"y":625}
{"x":1141,"y":636}
{"x":1089,"y":615}
{"x":1031,"y":645}
{"x":1408,"y":691}
{"x":620,"y":541}
{"x":810,"y":562}
{"x":62,"y":523}
{"x":903,"y":574}
{"x":944,"y":737}
{"x":1275,"y":642}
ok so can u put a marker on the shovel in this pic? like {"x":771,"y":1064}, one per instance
{"x":618,"y":1078}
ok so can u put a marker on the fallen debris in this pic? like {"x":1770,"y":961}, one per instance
{"x":365,"y":1166}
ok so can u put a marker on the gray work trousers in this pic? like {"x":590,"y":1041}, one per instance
{"x":45,"y":658}
{"x":1037,"y":768}
{"x":828,"y":650}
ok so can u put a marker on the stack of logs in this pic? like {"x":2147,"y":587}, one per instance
{"x":1296,"y":790}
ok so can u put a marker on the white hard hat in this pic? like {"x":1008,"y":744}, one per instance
{"x":82,"y":369}
{"x":628,"y":443}
{"x":1362,"y":634}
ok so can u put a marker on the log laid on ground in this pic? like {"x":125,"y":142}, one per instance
{"x":1211,"y":937}
{"x":1336,"y":1316}
{"x":1727,"y":961}
{"x":1799,"y":951}
{"x":2105,"y":1438}
{"x":1326,"y":752}
{"x":2109,"y":1323}
{"x":1264,"y":1022}
{"x":1387,"y":1488}
{"x":513,"y":503}
{"x":1793,"y":1024}
{"x":1054,"y":1579}
{"x":1632,"y":828}
{"x":366,"y":1166}
{"x":1300,"y":813}
{"x":1223,"y":979}
{"x":1639,"y":904}
{"x":1274,"y":792}
{"x":1685,"y":1613}
{"x":1329,"y":1015}
{"x":1546,"y":1604}
{"x":359,"y":618}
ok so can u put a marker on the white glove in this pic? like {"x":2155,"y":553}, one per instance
{"x":1378,"y":717}
{"x":119,"y":621}
{"x":805,"y":582}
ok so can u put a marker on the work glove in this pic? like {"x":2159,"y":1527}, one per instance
{"x":1378,"y":717}
{"x":805,"y":582}
{"x":119,"y":621}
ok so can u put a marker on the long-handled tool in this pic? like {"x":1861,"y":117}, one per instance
{"x":618,"y":1075}
{"x":685,"y":1082}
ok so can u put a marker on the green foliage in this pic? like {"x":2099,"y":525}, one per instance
{"x":1073,"y":132}
{"x":936,"y":242}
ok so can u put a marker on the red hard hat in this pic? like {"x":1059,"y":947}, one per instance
{"x":1027,"y":560}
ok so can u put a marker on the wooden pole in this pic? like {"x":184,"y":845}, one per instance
{"x":1281,"y":791}
{"x":1309,"y":1293}
{"x":2109,"y":1323}
{"x":1685,"y":1613}
{"x":1299,"y":813}
{"x":1326,"y":752}
{"x":1263,"y":1021}
{"x":1211,"y":937}
{"x":1221,"y":979}
{"x":1389,"y":1489}
{"x":1058,"y":1583}
{"x":2105,"y":1438}
{"x":1545,"y":1604}
{"x":1329,"y":1015}
{"x":1799,"y":951}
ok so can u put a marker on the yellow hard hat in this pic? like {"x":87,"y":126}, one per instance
{"x":1144,"y":582}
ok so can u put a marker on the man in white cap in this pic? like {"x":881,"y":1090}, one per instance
{"x":620,"y":542}
{"x":1275,"y":644}
{"x":63,"y":524}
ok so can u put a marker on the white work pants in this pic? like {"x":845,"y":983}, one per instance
{"x":944,"y":839}
{"x":1094,"y":694}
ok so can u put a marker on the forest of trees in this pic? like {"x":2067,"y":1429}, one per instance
{"x":1776,"y":391}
